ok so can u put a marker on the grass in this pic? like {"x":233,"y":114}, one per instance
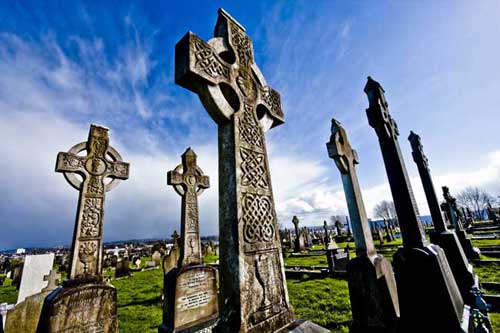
{"x":8,"y":292}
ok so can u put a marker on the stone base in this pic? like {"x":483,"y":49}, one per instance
{"x":86,"y":307}
{"x":429,"y":297}
{"x":24,"y":317}
{"x":303,"y":326}
{"x":373,"y":294}
{"x":460,"y":266}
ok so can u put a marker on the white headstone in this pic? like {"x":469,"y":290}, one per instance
{"x":36,"y":267}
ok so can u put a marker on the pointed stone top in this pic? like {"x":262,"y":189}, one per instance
{"x":99,"y":126}
{"x":374,"y":91}
{"x":189,"y":152}
{"x":223,"y":14}
{"x":295,"y":219}
{"x":413,"y":136}
{"x":371,"y":84}
{"x":325,"y":223}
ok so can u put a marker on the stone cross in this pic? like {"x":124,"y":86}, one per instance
{"x":224,"y":74}
{"x":53,"y":278}
{"x":425,"y":175}
{"x":101,"y":162}
{"x":175,"y":239}
{"x":189,"y":182}
{"x":346,"y":158}
{"x":327,"y":234}
{"x":450,"y":208}
{"x":387,"y":131}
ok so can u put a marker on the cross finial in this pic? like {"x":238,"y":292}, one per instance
{"x":418,"y":151}
{"x":340,"y":150}
{"x":378,"y":111}
{"x":53,"y":279}
{"x":175,"y":238}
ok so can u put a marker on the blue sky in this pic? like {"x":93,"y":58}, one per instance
{"x":64,"y":66}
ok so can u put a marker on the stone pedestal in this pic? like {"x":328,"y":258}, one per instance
{"x":373,"y":295}
{"x":191,"y":300}
{"x":80,"y":307}
{"x":428,"y":294}
{"x":462,"y":269}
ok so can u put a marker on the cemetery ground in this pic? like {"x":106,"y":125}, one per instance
{"x":322,"y":300}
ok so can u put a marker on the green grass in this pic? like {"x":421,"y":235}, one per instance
{"x":8,"y":292}
{"x":319,"y":260}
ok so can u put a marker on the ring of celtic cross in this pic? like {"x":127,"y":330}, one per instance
{"x":98,"y":169}
{"x":189,"y":179}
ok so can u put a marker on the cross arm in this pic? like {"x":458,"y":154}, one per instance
{"x":118,"y":169}
{"x":68,"y":162}
{"x":204,"y":182}
{"x":174,"y":178}
{"x":197,"y":63}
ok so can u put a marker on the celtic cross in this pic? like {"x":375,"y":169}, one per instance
{"x":346,"y":158}
{"x":228,"y":82}
{"x":189,"y":182}
{"x":402,"y":193}
{"x":425,"y":176}
{"x":101,"y":162}
{"x":450,"y":208}
{"x":52,"y":278}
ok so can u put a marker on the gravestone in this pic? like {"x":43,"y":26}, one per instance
{"x":380,"y":235}
{"x":330,"y":243}
{"x":299,"y":237}
{"x":85,"y":303}
{"x":438,"y":299}
{"x":222,"y":71}
{"x":451,"y":210}
{"x":372,"y":286}
{"x":388,"y":235}
{"x":172,"y":258}
{"x":156,"y":257}
{"x":446,"y":239}
{"x":191,"y":287}
{"x":122,"y":268}
{"x":338,"y":226}
{"x":36,"y":267}
{"x":149,"y":264}
{"x":26,"y":314}
{"x":17,"y":273}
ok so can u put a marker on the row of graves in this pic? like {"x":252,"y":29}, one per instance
{"x":430,"y":286}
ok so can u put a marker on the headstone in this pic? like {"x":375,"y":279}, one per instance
{"x":380,"y":236}
{"x":451,"y":210}
{"x":191,"y":287}
{"x":16,"y":275}
{"x":438,"y":299}
{"x":86,"y":303}
{"x":330,"y":243}
{"x":253,"y":290}
{"x":299,"y":236}
{"x":372,"y":286}
{"x":388,"y":235}
{"x":36,"y":267}
{"x":172,"y":259}
{"x":122,"y":268}
{"x":446,"y":239}
{"x":156,"y":257}
{"x":338,"y":226}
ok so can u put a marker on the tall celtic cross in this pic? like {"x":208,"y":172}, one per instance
{"x":346,"y":158}
{"x":223,"y":73}
{"x":402,"y":193}
{"x":189,"y":182}
{"x":450,"y":208}
{"x":101,"y":162}
{"x":425,"y":176}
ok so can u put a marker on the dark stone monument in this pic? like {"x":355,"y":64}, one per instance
{"x":451,"y":210}
{"x":222,"y":71}
{"x":372,"y":286}
{"x":122,"y":268}
{"x":446,"y":239}
{"x":85,"y":303}
{"x":429,"y":297}
{"x":191,"y":287}
{"x":299,"y":236}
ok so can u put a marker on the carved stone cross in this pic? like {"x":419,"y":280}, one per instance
{"x":450,"y":208}
{"x":402,"y":193}
{"x":52,"y":278}
{"x":175,"y":238}
{"x":346,"y":158}
{"x":189,"y":182}
{"x":228,"y":82}
{"x":425,"y":175}
{"x":102,"y":161}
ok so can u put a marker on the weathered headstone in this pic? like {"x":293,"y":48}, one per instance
{"x":451,"y":210}
{"x":172,"y":258}
{"x":122,"y":268}
{"x":446,"y":239}
{"x":372,"y":286}
{"x":156,"y":257}
{"x":190,"y":288}
{"x":253,"y":291}
{"x":438,"y":299}
{"x":299,"y":236}
{"x":85,"y":303}
{"x":36,"y":267}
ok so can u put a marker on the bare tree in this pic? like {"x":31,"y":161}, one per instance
{"x":385,"y":210}
{"x":475,"y":199}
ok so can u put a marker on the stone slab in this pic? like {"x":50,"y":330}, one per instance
{"x":89,"y":307}
{"x":25,"y":316}
{"x":303,"y":326}
{"x":36,"y":267}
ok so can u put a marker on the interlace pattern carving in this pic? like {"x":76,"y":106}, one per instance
{"x":254,"y":170}
{"x":91,"y":217}
{"x":207,"y":61}
{"x":250,"y":131}
{"x":273,"y":99}
{"x":258,"y":218}
{"x":243,"y":46}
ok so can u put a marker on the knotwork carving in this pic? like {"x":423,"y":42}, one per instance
{"x":208,"y":62}
{"x":258,"y":218}
{"x":243,"y":46}
{"x":273,"y":99}
{"x":254,"y":170}
{"x":71,"y":161}
{"x":91,"y":217}
{"x":95,"y":186}
{"x":250,"y":131}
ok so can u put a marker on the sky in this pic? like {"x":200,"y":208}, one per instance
{"x":66,"y":65}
